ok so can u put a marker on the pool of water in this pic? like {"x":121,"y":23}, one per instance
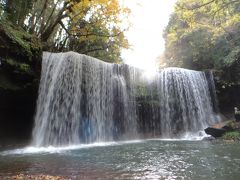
{"x":148,"y":159}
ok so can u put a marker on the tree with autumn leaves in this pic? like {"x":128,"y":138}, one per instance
{"x":92,"y":27}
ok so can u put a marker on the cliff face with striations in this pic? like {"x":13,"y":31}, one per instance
{"x":20,"y":65}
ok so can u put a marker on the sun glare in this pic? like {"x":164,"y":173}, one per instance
{"x":148,"y":20}
{"x":150,"y":73}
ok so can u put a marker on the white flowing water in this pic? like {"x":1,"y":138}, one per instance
{"x":185,"y":103}
{"x":84,"y":100}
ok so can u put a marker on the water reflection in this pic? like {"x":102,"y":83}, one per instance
{"x":152,"y":159}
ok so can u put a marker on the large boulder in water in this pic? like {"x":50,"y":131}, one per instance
{"x":215,"y":132}
{"x":218,"y":130}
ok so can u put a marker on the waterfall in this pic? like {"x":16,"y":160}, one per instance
{"x":85,"y":100}
{"x":185,"y":104}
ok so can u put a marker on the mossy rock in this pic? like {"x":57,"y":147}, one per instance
{"x":233,"y":125}
{"x":20,"y":58}
{"x":15,"y":42}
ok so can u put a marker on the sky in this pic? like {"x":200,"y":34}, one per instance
{"x":148,"y":19}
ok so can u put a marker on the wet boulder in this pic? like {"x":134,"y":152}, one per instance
{"x":215,"y":132}
{"x":219,"y":129}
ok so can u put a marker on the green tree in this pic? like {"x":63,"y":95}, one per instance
{"x":203,"y":34}
{"x":91,"y":27}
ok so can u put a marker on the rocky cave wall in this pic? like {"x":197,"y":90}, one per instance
{"x":20,"y":66}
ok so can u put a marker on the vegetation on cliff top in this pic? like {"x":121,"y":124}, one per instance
{"x":92,"y":27}
{"x":18,"y":42}
{"x":203,"y":34}
{"x":26,"y":27}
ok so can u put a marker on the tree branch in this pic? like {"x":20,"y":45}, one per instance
{"x":41,"y":13}
{"x":194,"y":7}
{"x":63,"y":26}
{"x":90,"y":34}
{"x":102,"y":35}
{"x":48,"y":31}
{"x":49,"y":18}
{"x":224,"y":6}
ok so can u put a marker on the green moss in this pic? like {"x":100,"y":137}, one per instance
{"x":19,"y":38}
{"x":27,"y":45}
{"x":20,"y":54}
{"x":233,"y":135}
{"x":232,"y":56}
{"x":23,"y":67}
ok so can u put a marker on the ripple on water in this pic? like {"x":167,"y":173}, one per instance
{"x":151,"y":159}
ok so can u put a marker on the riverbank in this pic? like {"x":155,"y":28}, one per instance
{"x":34,"y":177}
{"x":227,"y":130}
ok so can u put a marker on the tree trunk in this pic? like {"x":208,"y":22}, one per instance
{"x":45,"y":35}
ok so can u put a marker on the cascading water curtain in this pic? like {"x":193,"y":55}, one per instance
{"x":85,"y":100}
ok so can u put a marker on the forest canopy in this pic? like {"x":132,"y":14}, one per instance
{"x":203,"y":34}
{"x":92,"y":27}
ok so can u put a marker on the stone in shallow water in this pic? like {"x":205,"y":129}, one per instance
{"x":215,"y":132}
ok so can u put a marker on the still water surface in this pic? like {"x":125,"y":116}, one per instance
{"x":149,"y":159}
